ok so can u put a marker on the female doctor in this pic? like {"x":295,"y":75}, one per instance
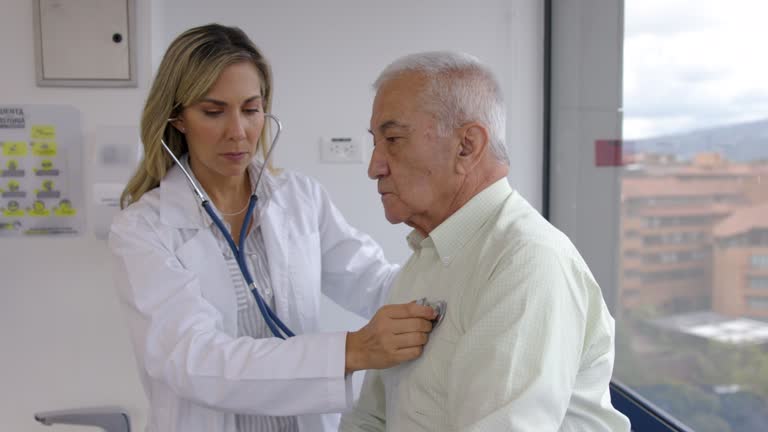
{"x":207,"y":357}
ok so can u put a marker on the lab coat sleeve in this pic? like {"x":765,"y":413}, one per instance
{"x":179,"y":341}
{"x":369,"y":415}
{"x":515,"y":367}
{"x":355,"y":273}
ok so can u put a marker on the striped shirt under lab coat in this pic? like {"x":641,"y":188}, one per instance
{"x":249,"y":319}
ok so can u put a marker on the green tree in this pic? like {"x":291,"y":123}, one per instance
{"x":704,"y":422}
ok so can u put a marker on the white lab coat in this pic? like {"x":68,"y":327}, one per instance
{"x":181,"y":309}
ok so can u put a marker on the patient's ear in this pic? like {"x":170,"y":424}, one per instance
{"x":473,"y":144}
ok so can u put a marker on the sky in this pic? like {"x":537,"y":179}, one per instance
{"x":691,"y":64}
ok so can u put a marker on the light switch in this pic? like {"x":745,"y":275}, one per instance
{"x":341,"y":150}
{"x":85,"y":43}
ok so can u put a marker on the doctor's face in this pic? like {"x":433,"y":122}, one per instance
{"x":411,"y":162}
{"x":223,"y":128}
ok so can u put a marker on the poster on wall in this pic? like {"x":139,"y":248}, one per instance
{"x":41,"y":177}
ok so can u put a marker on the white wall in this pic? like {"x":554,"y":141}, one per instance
{"x":64,"y":344}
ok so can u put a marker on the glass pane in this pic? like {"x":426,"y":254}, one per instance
{"x":692,"y":321}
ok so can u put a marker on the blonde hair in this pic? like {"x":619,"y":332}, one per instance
{"x":190,"y":67}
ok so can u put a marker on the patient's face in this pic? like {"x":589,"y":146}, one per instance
{"x":413,"y":165}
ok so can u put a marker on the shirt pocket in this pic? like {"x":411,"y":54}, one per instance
{"x":429,"y":392}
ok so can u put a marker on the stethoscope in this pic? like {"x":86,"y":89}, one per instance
{"x":270,"y":318}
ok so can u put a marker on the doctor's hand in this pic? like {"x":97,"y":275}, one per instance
{"x":395,"y":334}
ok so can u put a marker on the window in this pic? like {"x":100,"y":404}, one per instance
{"x":671,"y":74}
{"x":759,"y":261}
{"x":681,"y":237}
{"x":758,"y":237}
{"x":631,"y":253}
{"x":757,"y":303}
{"x":652,"y":222}
{"x":692,"y":100}
{"x":693,"y":274}
{"x":735,"y":241}
{"x":699,"y":255}
{"x":758,"y":282}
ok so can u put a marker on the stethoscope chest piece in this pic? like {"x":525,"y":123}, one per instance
{"x":439,"y":306}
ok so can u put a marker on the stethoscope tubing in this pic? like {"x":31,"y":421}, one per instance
{"x":276,"y":326}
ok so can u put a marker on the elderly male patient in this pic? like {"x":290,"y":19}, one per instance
{"x":526,"y":343}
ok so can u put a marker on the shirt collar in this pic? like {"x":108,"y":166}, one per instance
{"x":450,"y":236}
{"x":417,"y":241}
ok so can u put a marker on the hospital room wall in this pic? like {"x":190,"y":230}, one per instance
{"x":323,"y":78}
{"x":64,"y":343}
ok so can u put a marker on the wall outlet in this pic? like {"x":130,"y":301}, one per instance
{"x":341,"y":150}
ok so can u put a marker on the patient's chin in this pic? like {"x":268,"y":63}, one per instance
{"x":394,"y":216}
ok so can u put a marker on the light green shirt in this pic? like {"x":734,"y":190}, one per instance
{"x":527,"y":343}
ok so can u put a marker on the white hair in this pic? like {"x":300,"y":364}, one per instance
{"x":460,"y":89}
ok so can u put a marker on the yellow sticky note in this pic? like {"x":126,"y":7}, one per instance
{"x":38,"y":209}
{"x":15,"y":148}
{"x":65,"y":213}
{"x":43,"y":132}
{"x":44,"y":148}
{"x":64,"y":209}
{"x":13,"y":213}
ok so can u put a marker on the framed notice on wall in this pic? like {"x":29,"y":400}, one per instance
{"x":41,"y":172}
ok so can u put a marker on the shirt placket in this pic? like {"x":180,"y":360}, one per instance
{"x":243,"y":291}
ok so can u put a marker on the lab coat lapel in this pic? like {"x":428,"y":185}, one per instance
{"x":276,"y":228}
{"x":202,"y":255}
{"x":179,"y":206}
{"x":181,"y":209}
